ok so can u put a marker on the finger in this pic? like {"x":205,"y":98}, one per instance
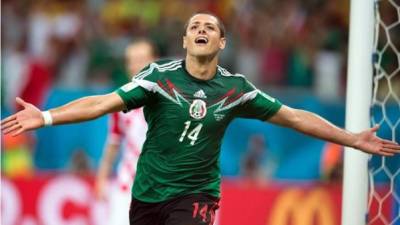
{"x":375,"y":128}
{"x":21,"y":102}
{"x":391,"y":150}
{"x":13,"y":128}
{"x":9,"y":124}
{"x":385,"y":153}
{"x":10,"y":129}
{"x":18,"y":132}
{"x":10,"y":118}
{"x":389,"y":142}
{"x":392,"y":146}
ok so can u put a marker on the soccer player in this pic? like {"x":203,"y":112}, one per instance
{"x":129,"y":131}
{"x":188,"y":104}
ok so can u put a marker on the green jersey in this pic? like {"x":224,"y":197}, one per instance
{"x":187,"y":118}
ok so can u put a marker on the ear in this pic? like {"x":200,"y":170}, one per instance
{"x":184,"y":42}
{"x":222,"y":43}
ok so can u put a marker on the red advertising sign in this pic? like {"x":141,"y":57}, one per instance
{"x":274,"y":204}
{"x":68,"y":199}
{"x":49,"y":200}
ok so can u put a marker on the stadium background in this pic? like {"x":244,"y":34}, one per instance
{"x":54,"y":51}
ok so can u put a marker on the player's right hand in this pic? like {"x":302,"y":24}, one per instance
{"x":27,"y":119}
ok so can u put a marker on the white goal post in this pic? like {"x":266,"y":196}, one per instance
{"x":358,"y":102}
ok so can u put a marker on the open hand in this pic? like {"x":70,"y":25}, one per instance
{"x":27,"y":119}
{"x":368,"y":142}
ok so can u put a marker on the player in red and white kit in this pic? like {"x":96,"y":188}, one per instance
{"x":127,"y":132}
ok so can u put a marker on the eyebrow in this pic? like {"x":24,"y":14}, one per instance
{"x":206,"y":23}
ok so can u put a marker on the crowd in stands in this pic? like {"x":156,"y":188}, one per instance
{"x":80,"y":44}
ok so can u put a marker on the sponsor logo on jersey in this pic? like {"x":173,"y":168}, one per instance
{"x":198,"y":109}
{"x":200,"y":94}
{"x":218,"y":117}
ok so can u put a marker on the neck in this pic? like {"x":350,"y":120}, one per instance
{"x":202,"y":68}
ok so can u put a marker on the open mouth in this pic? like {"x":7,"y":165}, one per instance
{"x":201,"y":40}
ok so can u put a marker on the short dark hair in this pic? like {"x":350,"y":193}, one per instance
{"x":220,"y":25}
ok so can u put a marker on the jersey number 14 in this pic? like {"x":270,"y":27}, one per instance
{"x":193,"y":134}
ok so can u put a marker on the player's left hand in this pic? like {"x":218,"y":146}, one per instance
{"x":368,"y":142}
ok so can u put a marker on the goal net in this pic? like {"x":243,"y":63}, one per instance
{"x":384,"y":172}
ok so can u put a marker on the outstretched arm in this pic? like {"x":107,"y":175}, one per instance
{"x":82,"y":109}
{"x":314,"y":125}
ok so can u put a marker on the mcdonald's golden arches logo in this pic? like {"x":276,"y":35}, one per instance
{"x":298,"y":207}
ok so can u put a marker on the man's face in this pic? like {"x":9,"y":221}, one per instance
{"x":138,"y":56}
{"x":203,"y":37}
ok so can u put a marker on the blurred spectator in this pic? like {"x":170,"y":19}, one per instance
{"x":126,"y":134}
{"x":14,"y":72}
{"x":273,"y":64}
{"x":14,"y":52}
{"x":254,"y":166}
{"x":247,"y":63}
{"x":331,"y":165}
{"x":280,"y":32}
{"x":329,"y":58}
{"x":327,"y":67}
{"x":39,"y":76}
{"x":16,"y":159}
{"x":300,"y":63}
{"x":80,"y":163}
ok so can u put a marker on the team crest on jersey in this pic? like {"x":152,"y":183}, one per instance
{"x":198,"y":109}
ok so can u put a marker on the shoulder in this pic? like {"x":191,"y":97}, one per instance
{"x":238,"y":79}
{"x":225,"y":73}
{"x":159,"y":67}
{"x":231,"y":76}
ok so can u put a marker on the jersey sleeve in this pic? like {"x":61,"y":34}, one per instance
{"x":140,"y":91}
{"x":257,"y":104}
